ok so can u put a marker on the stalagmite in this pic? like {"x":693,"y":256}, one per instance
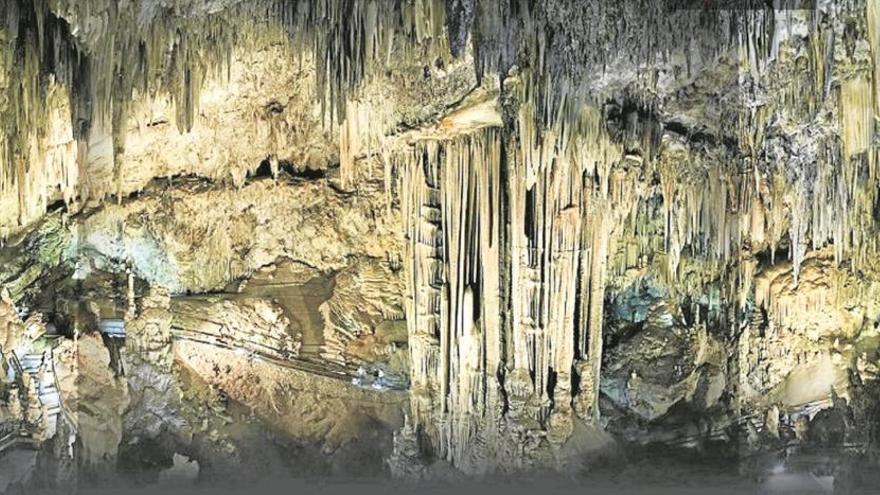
{"x":598,"y":257}
{"x":532,"y":303}
{"x":450,"y":193}
{"x":568,"y":222}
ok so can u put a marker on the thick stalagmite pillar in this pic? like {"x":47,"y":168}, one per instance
{"x":508,"y":258}
{"x":420,"y":205}
{"x":598,"y":269}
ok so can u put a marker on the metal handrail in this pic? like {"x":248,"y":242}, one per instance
{"x":19,"y":371}
{"x":11,"y":438}
{"x":14,"y":438}
{"x":9,"y":441}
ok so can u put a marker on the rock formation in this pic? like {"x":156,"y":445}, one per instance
{"x":472,"y":236}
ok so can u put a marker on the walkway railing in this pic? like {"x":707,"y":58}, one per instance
{"x":16,"y":364}
{"x":15,"y":437}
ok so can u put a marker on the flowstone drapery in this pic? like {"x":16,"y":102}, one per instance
{"x":507,"y":248}
{"x":607,"y":180}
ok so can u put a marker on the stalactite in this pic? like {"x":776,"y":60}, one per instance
{"x":349,"y":145}
{"x":798,"y":230}
{"x":361,"y":134}
{"x":564,"y":197}
{"x":599,"y":254}
{"x":103,"y":51}
{"x":350,"y":38}
{"x":857,"y":116}
{"x":514,"y":231}
{"x":421,"y":215}
{"x":450,"y":197}
{"x":719,"y":207}
{"x":98,"y":72}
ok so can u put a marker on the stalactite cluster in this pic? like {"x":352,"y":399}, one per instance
{"x":508,"y":243}
{"x":509,"y":257}
{"x":722,"y":158}
{"x":105,"y":53}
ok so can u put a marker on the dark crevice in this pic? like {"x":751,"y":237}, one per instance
{"x":700,"y":137}
{"x":308,"y":174}
{"x":264,"y":170}
{"x":57,"y":206}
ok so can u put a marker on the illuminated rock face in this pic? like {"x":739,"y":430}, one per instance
{"x":556,"y":222}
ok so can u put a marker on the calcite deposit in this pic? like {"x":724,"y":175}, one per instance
{"x":439,"y":240}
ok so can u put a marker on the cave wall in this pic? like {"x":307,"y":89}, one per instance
{"x":701,"y":198}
